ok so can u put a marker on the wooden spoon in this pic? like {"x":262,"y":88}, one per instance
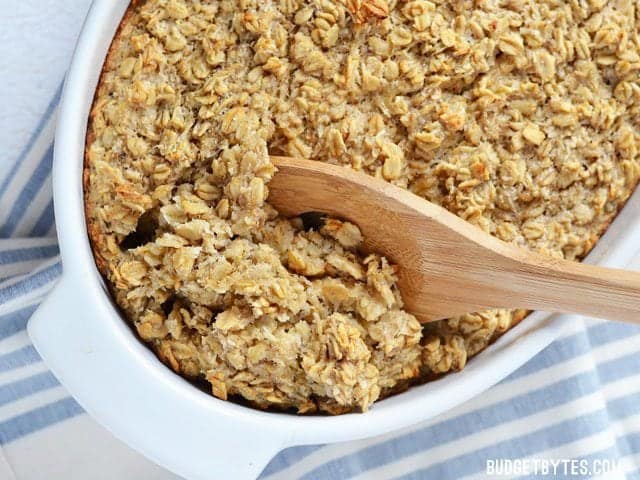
{"x":447,"y":266}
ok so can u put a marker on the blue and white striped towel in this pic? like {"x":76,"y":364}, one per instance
{"x":579,"y":399}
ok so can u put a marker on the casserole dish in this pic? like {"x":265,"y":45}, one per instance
{"x":91,"y":349}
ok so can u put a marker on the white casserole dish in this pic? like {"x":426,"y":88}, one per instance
{"x":122,"y":384}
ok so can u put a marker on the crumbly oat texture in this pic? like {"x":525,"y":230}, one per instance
{"x":520,"y":116}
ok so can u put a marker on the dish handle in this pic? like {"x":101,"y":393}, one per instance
{"x":121,"y":384}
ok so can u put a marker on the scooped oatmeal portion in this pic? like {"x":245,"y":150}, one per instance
{"x":520,"y":116}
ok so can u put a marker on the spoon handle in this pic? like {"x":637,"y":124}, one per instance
{"x":538,"y":282}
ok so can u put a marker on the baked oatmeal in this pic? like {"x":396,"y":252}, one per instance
{"x":520,"y":116}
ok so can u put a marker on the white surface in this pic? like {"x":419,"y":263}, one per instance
{"x":78,"y":449}
{"x":30,"y":63}
{"x":96,"y":340}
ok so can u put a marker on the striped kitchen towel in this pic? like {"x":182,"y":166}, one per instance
{"x":577,"y":402}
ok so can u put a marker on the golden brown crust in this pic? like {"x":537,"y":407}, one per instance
{"x":227,"y":293}
{"x":96,"y":236}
